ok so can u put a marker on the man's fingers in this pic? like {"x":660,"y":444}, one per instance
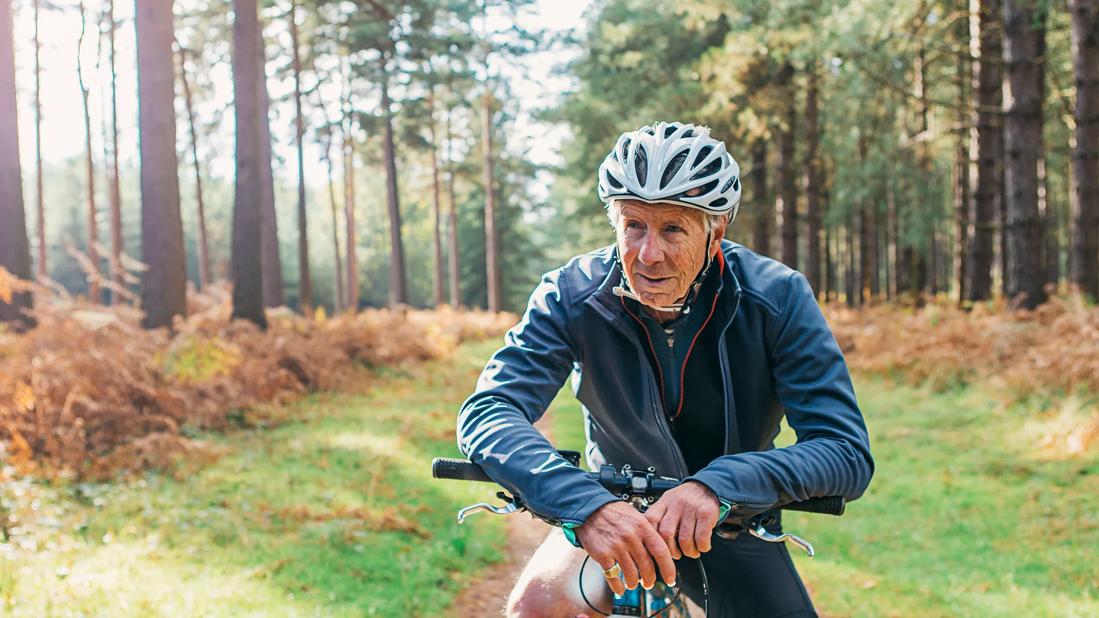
{"x":629,"y":570}
{"x":667,"y":529}
{"x":686,"y":537}
{"x":661,"y":553}
{"x":646,"y":570}
{"x":615,"y":583}
{"x":703,"y":533}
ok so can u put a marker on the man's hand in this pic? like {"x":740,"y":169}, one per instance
{"x":616,"y":532}
{"x":685,"y":518}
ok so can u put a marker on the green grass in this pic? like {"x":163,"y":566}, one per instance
{"x":291,"y":522}
{"x":963,"y":518}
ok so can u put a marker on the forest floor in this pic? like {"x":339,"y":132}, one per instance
{"x":335,"y":514}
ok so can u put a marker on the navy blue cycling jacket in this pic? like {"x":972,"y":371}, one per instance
{"x":777,"y":355}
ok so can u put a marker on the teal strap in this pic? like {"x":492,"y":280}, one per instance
{"x":723,"y":510}
{"x":570,"y":534}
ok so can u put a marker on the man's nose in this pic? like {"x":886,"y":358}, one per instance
{"x":652,"y":249}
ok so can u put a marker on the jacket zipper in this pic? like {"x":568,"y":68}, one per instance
{"x":657,"y":406}
{"x":723,"y":363}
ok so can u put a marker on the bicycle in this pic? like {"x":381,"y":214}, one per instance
{"x":642,"y":489}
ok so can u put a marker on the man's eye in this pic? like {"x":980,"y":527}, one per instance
{"x":673,"y":228}
{"x":633,"y":225}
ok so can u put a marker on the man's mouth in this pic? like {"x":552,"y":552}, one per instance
{"x":652,"y":280}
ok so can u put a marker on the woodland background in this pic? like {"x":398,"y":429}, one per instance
{"x":272,"y":214}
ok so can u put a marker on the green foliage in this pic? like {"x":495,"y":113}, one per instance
{"x":335,"y":514}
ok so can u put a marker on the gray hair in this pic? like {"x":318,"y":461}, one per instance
{"x":709,"y":222}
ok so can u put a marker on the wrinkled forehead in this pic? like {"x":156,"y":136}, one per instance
{"x":636,"y":209}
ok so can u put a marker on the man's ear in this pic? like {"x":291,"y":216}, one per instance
{"x":719,"y":235}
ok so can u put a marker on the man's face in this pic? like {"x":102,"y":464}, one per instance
{"x":662,"y":246}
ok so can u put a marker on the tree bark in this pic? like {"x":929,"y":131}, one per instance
{"x":764,"y":214}
{"x":305,"y":281}
{"x":115,"y":194}
{"x":39,"y":186}
{"x":1085,"y":157}
{"x":89,"y":169}
{"x":349,"y":196}
{"x":1022,"y":133}
{"x":247,"y":267}
{"x":398,"y":284}
{"x":492,"y":273}
{"x":337,"y":284}
{"x":437,"y":243}
{"x":867,"y":262}
{"x":203,"y":243}
{"x":452,"y":223}
{"x":812,"y":183}
{"x":962,"y":226}
{"x":787,"y":203}
{"x":985,"y":146}
{"x":273,"y":292}
{"x":15,"y":254}
{"x":164,"y":284}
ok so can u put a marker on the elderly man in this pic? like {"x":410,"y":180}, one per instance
{"x":686,"y":350}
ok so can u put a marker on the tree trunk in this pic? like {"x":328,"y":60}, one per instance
{"x":812,"y":184}
{"x":246,"y":260}
{"x":1085,"y":158}
{"x":273,"y":293}
{"x":15,"y":254}
{"x":305,"y":280}
{"x":787,"y":203}
{"x":39,"y":187}
{"x":89,"y":169}
{"x":962,"y":226}
{"x":867,"y":233}
{"x":337,"y":284}
{"x":437,"y":243}
{"x":398,"y":285}
{"x":452,"y":223}
{"x":985,"y":146}
{"x":164,"y":284}
{"x":349,"y":196}
{"x":203,"y":243}
{"x":764,"y":215}
{"x":115,"y":194}
{"x":851,"y":281}
{"x":1022,"y":133}
{"x":492,"y":273}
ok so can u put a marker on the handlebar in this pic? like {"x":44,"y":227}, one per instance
{"x":644,"y":484}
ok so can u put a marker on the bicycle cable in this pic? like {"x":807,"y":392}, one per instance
{"x":671,"y":603}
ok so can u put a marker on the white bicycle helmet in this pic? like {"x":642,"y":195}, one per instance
{"x":675,"y":163}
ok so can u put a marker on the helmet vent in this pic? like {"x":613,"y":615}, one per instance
{"x":704,"y":189}
{"x":669,"y":130}
{"x":719,"y":202}
{"x":641,"y":165}
{"x":614,"y":182}
{"x":736,"y":184}
{"x":702,"y":154}
{"x":711,"y":169}
{"x":732,"y":182}
{"x":688,"y":133}
{"x":673,"y":167}
{"x":625,"y":149}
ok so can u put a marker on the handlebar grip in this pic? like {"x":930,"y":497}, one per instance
{"x":828,"y":505}
{"x":458,"y":469}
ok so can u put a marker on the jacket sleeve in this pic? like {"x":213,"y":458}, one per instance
{"x":832,"y":453}
{"x":495,"y":425}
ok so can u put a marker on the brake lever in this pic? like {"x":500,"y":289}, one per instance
{"x":761,"y":533}
{"x":507,"y":509}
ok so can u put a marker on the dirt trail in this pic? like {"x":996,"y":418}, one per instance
{"x":488,"y":595}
